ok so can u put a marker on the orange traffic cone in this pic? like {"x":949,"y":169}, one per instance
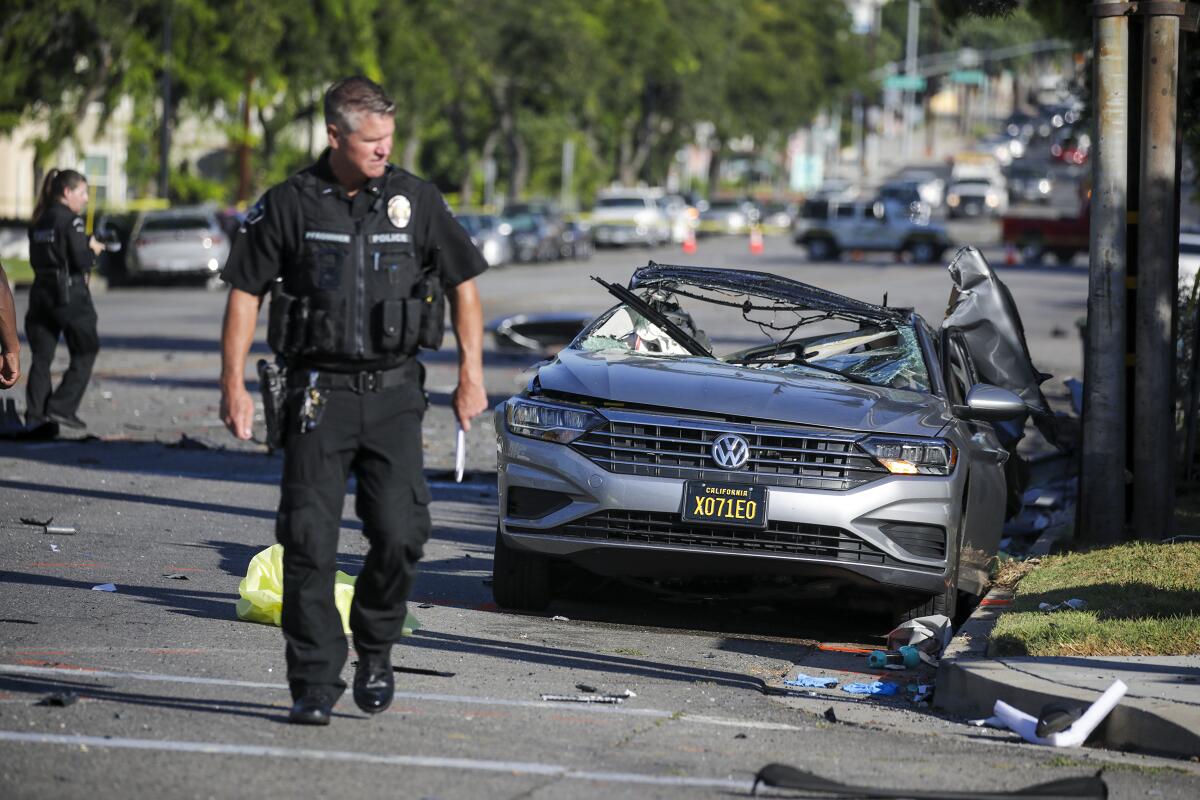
{"x":689,"y":241}
{"x":756,"y":241}
{"x":1010,"y":255}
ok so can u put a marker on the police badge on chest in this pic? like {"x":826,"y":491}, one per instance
{"x":399,"y":210}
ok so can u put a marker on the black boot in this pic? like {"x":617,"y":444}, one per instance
{"x":312,"y":708}
{"x":373,"y":683}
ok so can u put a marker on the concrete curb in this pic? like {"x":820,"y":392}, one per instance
{"x":969,"y":683}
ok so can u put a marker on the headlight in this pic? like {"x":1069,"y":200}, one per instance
{"x":548,"y":421}
{"x":992,"y":200}
{"x":912,"y":456}
{"x":491,"y":251}
{"x":952,"y":200}
{"x":737,"y":220}
{"x":1044,"y":186}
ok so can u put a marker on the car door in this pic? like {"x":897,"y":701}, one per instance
{"x":984,"y":457}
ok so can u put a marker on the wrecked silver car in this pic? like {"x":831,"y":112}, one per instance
{"x":742,"y":428}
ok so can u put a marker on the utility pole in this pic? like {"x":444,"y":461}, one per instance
{"x":910,"y":69}
{"x":1102,"y":484}
{"x":164,"y":144}
{"x":1157,"y":280}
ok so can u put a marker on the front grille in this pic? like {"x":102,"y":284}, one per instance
{"x":669,"y":447}
{"x":787,"y":538}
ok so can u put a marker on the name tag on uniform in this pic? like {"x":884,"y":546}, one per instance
{"x":326,"y":236}
{"x":45,"y":236}
{"x":389,"y":238}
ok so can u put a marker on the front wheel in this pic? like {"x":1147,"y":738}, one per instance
{"x":520,"y":580}
{"x":820,"y":249}
{"x":923,"y":252}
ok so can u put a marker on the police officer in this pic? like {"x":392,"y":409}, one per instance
{"x":354,"y":253}
{"x":62,"y":255}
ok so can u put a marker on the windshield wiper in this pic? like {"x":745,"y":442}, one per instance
{"x":660,"y":319}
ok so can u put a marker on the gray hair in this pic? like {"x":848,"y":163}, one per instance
{"x":348,"y":99}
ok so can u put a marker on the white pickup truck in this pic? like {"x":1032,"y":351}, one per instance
{"x":827,"y":228}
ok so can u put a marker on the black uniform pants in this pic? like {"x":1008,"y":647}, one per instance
{"x":377,"y":436}
{"x":45,"y":321}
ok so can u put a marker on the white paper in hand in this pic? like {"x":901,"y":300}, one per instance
{"x":460,"y":455}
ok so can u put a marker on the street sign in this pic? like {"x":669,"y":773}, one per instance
{"x":971,"y":76}
{"x":905,"y":83}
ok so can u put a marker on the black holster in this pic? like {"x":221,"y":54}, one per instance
{"x":272,"y":382}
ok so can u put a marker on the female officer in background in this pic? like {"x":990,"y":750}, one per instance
{"x":61,"y":254}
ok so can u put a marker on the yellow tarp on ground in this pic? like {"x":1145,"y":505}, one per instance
{"x":262,"y":592}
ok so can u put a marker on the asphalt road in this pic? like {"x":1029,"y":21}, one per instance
{"x":179,"y":699}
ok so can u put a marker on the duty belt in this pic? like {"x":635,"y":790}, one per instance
{"x":359,"y":382}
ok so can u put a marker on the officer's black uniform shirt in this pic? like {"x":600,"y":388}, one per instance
{"x":56,"y":238}
{"x":271,"y":237}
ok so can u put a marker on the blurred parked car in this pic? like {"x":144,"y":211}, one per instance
{"x":830,"y":228}
{"x":1028,"y":183}
{"x":490,"y":235}
{"x":533,"y":238}
{"x":629,"y":216}
{"x":905,"y":194}
{"x":930,"y":186}
{"x":976,"y":197}
{"x":728,"y":217}
{"x":1071,"y":148}
{"x":177,"y":244}
{"x":779,"y":216}
{"x":573,"y":237}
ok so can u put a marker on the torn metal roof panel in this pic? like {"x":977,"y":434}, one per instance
{"x":761,"y":284}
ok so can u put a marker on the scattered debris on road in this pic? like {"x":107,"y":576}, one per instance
{"x":176,"y":576}
{"x":877,"y":688}
{"x":560,"y":619}
{"x":59,"y":699}
{"x":104,"y":587}
{"x":1074,"y":604}
{"x":59,"y":530}
{"x":829,"y":715}
{"x":906,"y":657}
{"x":583,"y":687}
{"x":608,"y":699}
{"x":37,"y":522}
{"x":1076,"y":732}
{"x":929,"y":635}
{"x":54,"y":548}
{"x":809,"y":681}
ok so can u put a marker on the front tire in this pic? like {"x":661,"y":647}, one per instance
{"x":923,"y":252}
{"x":520,"y":580}
{"x":821,"y":249}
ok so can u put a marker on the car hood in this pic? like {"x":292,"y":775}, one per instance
{"x":703,"y":385}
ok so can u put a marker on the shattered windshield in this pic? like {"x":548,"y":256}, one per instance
{"x":766,"y":334}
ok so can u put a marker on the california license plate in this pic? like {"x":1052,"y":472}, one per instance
{"x":725,"y":504}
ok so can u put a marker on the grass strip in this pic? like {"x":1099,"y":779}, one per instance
{"x":1142,"y":599}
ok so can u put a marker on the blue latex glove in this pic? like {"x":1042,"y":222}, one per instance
{"x":882,"y":688}
{"x":809,"y":681}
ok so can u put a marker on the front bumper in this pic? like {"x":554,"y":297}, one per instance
{"x":629,"y":525}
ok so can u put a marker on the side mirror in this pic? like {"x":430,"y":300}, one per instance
{"x":988,"y":403}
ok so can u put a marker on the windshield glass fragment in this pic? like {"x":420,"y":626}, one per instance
{"x":768,"y":333}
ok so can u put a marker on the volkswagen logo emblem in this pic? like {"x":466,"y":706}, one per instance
{"x":731,"y":451}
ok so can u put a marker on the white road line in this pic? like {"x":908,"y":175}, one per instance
{"x":657,"y":713}
{"x":434,"y":762}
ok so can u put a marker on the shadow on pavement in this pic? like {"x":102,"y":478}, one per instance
{"x":89,"y":691}
{"x":576,"y":659}
{"x":208,"y":605}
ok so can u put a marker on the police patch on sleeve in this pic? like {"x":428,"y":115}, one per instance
{"x":399,"y":210}
{"x":256,"y":212}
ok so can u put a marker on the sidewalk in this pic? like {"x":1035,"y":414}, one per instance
{"x":1159,"y":715}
